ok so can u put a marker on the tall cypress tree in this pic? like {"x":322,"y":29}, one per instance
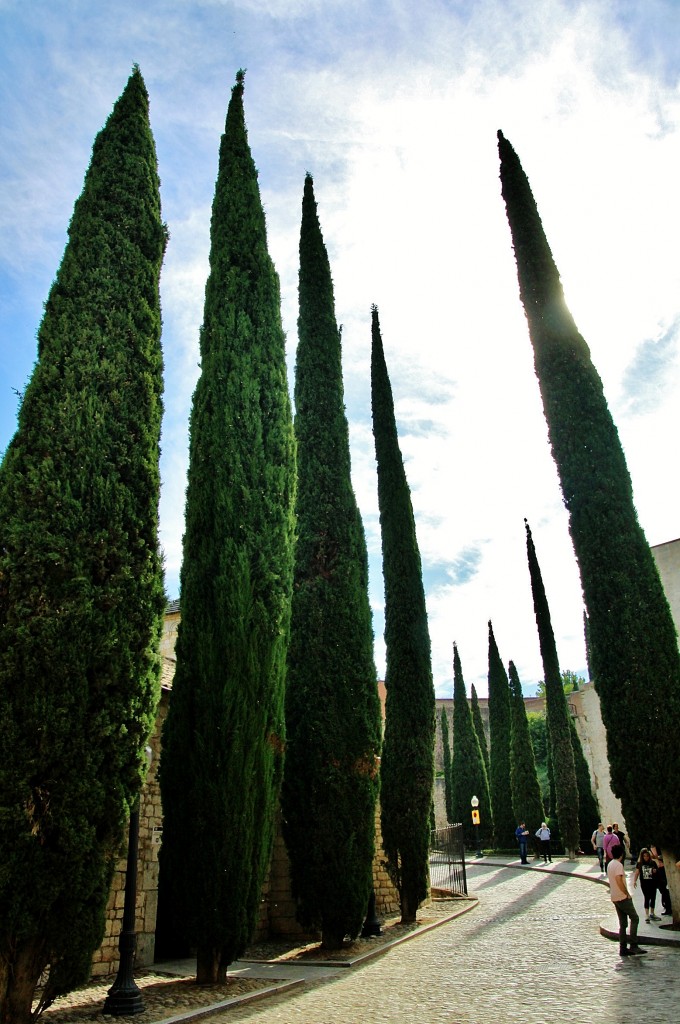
{"x":566,"y":789}
{"x":407,"y":767}
{"x":81,"y":586}
{"x":633,"y":645}
{"x":224,"y":736}
{"x":468,"y":772}
{"x":479,"y":726}
{"x":332,"y":706}
{"x":526,"y":790}
{"x":446,"y":762}
{"x":499,"y":755}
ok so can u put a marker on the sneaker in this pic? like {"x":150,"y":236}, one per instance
{"x":647,"y":919}
{"x":653,"y":917}
{"x":636,"y":951}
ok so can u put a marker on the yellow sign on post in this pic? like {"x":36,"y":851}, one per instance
{"x":475,"y":817}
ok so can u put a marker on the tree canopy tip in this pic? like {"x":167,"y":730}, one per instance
{"x":237,"y":89}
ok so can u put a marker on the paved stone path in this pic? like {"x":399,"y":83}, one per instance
{"x":530,"y":953}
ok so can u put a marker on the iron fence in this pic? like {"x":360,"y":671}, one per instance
{"x":447,"y":860}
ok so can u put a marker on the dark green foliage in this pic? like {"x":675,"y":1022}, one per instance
{"x":561,"y":751}
{"x":407,"y":766}
{"x":223,"y":740}
{"x":332,"y":706}
{"x":479,"y":726}
{"x":633,"y":647}
{"x":468,"y":772}
{"x":538,"y":731}
{"x":588,"y":808}
{"x":527,"y":804}
{"x":81,"y":587}
{"x":499,"y":754}
{"x":446,"y":757}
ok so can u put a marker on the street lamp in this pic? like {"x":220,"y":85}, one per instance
{"x":474,"y":803}
{"x":124,"y":997}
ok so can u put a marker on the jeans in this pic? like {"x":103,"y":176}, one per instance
{"x":624,"y":910}
{"x":600,"y":857}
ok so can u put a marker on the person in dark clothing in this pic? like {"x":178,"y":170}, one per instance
{"x":661,"y":880}
{"x":522,"y":833}
{"x":646,"y":871}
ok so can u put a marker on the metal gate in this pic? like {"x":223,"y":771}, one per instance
{"x":447,"y":860}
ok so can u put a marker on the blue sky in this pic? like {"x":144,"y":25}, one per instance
{"x":393,"y":107}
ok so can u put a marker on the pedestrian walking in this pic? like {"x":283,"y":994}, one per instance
{"x":609,"y":841}
{"x":646,"y":871}
{"x":597,"y":841}
{"x":661,"y":880}
{"x":623,"y":903}
{"x":621,"y":836}
{"x":522,"y":833}
{"x":543,"y":834}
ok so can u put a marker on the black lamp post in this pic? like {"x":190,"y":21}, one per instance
{"x":124,"y":997}
{"x":371,"y":924}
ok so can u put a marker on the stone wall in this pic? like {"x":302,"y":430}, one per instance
{"x":105,"y":960}
{"x":585,"y":706}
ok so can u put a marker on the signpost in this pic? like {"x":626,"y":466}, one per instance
{"x":475,"y":821}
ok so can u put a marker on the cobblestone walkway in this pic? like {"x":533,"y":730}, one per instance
{"x":531,"y":952}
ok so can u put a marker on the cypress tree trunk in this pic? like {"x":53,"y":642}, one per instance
{"x":499,"y":755}
{"x":332,"y":706}
{"x":81,"y":586}
{"x":407,"y":766}
{"x":479,"y":726}
{"x":468,"y":772}
{"x":559,"y":734}
{"x":526,"y":791}
{"x":633,"y":644}
{"x":446,"y":747}
{"x":224,"y":736}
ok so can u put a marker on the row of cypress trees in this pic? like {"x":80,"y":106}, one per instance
{"x":81,"y":594}
{"x":80,"y":575}
{"x":513,"y":788}
{"x":632,"y":642}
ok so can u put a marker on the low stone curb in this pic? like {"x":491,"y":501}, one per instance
{"x":225,"y":1004}
{"x":471,"y":903}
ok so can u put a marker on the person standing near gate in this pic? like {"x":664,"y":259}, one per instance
{"x":623,"y":903}
{"x":522,"y":833}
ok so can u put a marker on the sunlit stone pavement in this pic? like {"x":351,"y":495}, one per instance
{"x":531,"y":952}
